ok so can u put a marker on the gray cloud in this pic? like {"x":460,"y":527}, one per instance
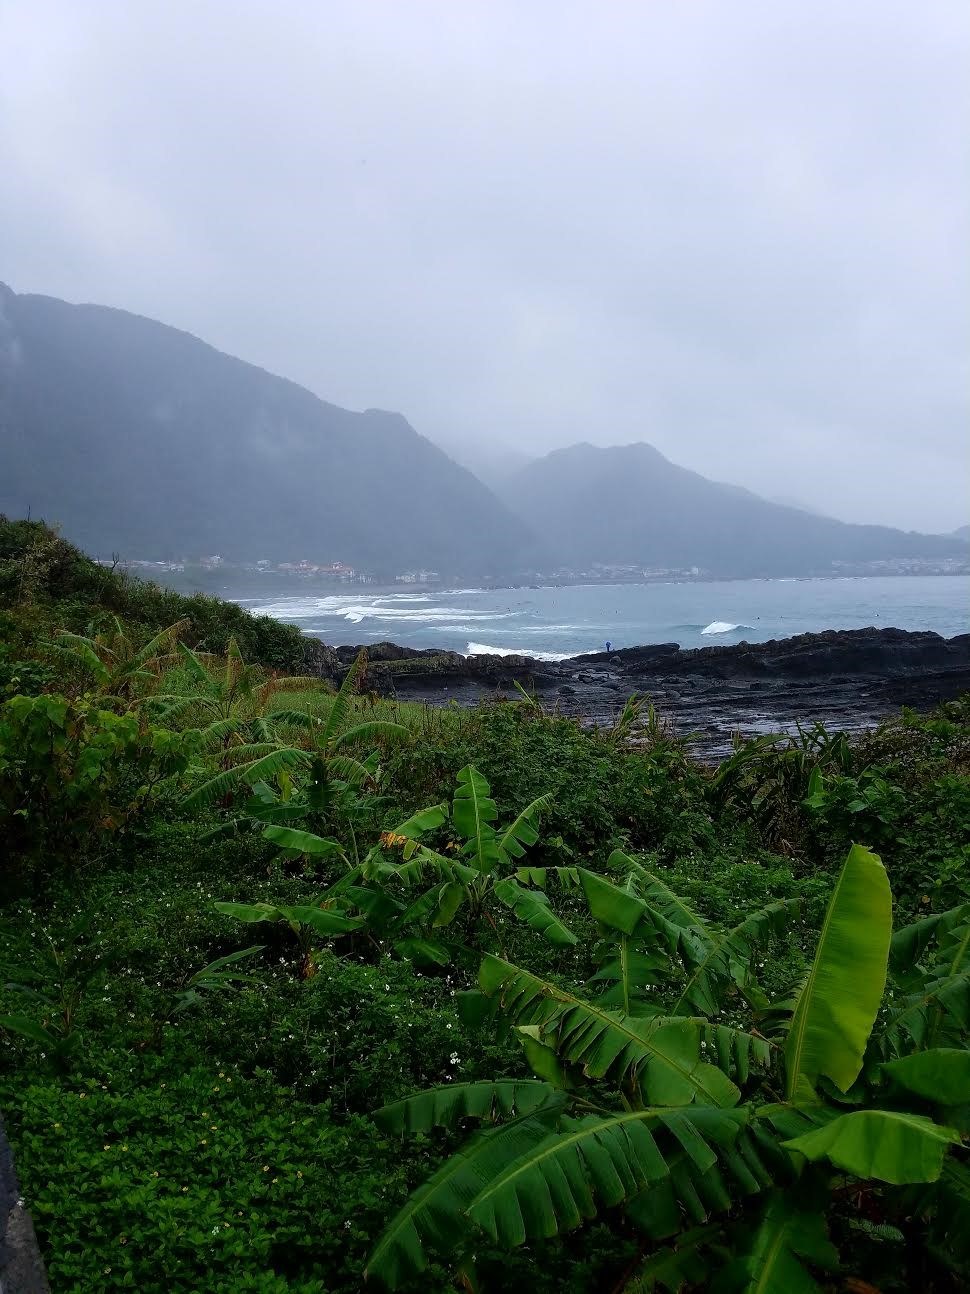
{"x":736,"y":230}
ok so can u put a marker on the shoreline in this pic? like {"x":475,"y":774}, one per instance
{"x":849,"y":679}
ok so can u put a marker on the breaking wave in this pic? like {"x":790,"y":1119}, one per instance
{"x":483,"y":649}
{"x":723,"y":627}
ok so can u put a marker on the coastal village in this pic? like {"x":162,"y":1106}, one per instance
{"x":331,"y":573}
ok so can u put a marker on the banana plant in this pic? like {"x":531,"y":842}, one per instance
{"x":231,"y":698}
{"x":325,"y":765}
{"x":122,"y":672}
{"x":726,"y":1151}
{"x":308,"y":922}
{"x":482,"y":867}
{"x":652,"y":935}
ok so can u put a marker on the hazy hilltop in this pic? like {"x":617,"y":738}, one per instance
{"x":630,"y":504}
{"x":140,"y":439}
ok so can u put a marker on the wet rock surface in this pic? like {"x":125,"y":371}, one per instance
{"x":849,"y":679}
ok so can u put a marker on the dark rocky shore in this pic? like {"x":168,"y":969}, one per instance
{"x":849,"y":679}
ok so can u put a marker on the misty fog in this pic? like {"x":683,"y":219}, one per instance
{"x":735,"y":231}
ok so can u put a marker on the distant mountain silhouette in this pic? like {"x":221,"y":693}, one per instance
{"x":140,"y":439}
{"x":962,"y":532}
{"x":629,"y":504}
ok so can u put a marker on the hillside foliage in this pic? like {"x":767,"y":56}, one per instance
{"x":309,"y":991}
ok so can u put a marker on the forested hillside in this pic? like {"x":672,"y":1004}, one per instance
{"x":142,"y":440}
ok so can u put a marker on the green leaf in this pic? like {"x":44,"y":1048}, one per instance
{"x":28,"y":1028}
{"x":436,"y":1213}
{"x":532,"y":907}
{"x":715,"y":971}
{"x":249,"y":912}
{"x":323,"y":921}
{"x":342,"y":701}
{"x":678,"y":1266}
{"x":885,"y":1144}
{"x":594,"y":1162}
{"x":941,"y":1075}
{"x":450,"y":900}
{"x":230,"y":959}
{"x":524,"y":831}
{"x":303,"y":842}
{"x":447,"y":1106}
{"x":662,"y":1055}
{"x":426,"y":952}
{"x":840,"y":999}
{"x":660,"y":896}
{"x":473,"y":812}
{"x":424,"y":820}
{"x":612,"y":906}
{"x":909,"y":944}
{"x":231,"y":779}
{"x":542,"y":1058}
{"x":375,"y":730}
{"x":787,"y":1234}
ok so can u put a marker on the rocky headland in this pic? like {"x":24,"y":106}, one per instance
{"x":849,"y":679}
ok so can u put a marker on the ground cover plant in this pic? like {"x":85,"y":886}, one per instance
{"x":308,"y":990}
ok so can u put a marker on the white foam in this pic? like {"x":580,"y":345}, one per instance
{"x":722,"y":627}
{"x":483,"y":649}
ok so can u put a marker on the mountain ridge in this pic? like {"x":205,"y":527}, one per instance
{"x":141,"y":438}
{"x":629,"y":504}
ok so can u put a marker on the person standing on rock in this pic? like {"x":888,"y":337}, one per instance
{"x":609,"y":645}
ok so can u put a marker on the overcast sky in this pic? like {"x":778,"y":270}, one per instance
{"x":736,"y":230}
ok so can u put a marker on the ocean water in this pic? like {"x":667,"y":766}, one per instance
{"x":555,"y":622}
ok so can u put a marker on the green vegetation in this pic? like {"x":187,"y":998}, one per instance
{"x":308,"y":991}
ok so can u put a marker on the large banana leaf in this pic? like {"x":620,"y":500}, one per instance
{"x":524,"y":831}
{"x":662,"y":1055}
{"x":374,"y":730}
{"x":885,"y":1144}
{"x":911,"y":943}
{"x":840,"y":999}
{"x":631,"y":975}
{"x":615,"y":906}
{"x":725,"y":961}
{"x":567,"y":877}
{"x":194,"y":665}
{"x":323,"y":921}
{"x":422,"y":821}
{"x":257,"y":770}
{"x":595,"y":1162}
{"x":532,"y":907}
{"x":164,"y":638}
{"x":303,"y":842}
{"x":787,"y":1234}
{"x":447,"y":1106}
{"x":660,"y":896}
{"x":931,"y":962}
{"x":342,"y":702}
{"x":676,"y":1267}
{"x":436,"y":1213}
{"x":473,"y":812}
{"x":941,"y":1075}
{"x":82,"y":650}
{"x":919,"y":1018}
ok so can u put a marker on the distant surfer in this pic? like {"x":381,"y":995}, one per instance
{"x":609,"y":645}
